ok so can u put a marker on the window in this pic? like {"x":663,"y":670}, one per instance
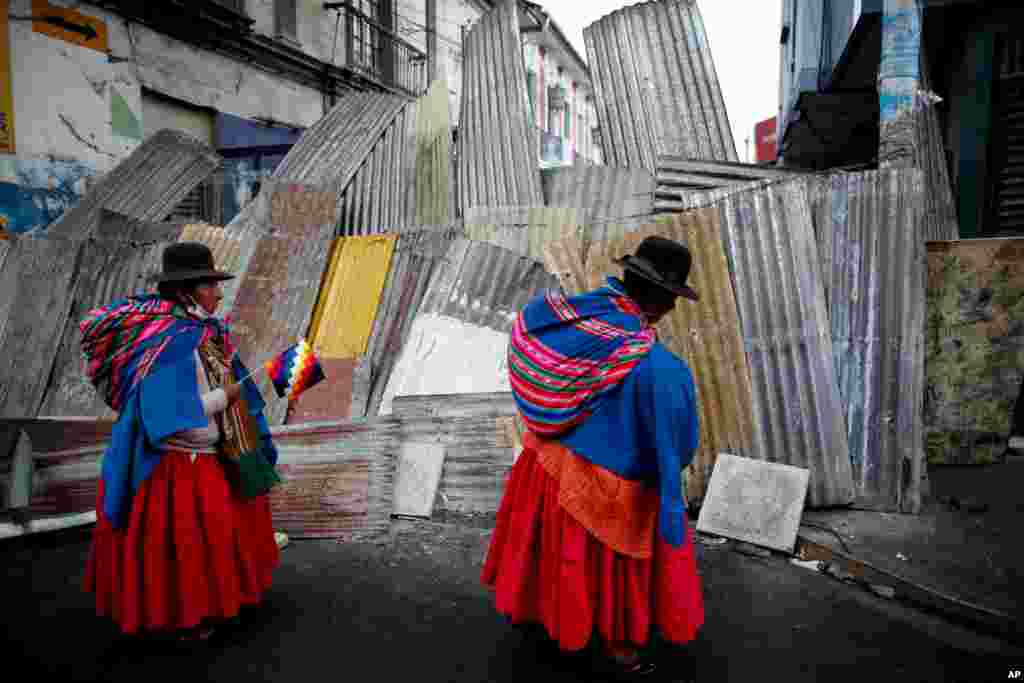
{"x":365,"y":35}
{"x":1006,"y":199}
{"x":285,"y":19}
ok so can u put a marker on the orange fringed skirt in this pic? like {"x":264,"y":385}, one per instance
{"x":545,"y":567}
{"x":191,"y":550}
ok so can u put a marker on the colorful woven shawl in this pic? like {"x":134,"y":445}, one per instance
{"x":566,"y":354}
{"x":121,"y":341}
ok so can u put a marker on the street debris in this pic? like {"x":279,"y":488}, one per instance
{"x":883,"y":591}
{"x":813,"y":565}
{"x":901,"y":556}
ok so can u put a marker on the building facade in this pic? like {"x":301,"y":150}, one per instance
{"x":964,"y":59}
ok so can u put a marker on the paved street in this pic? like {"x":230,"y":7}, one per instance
{"x":412,"y":609}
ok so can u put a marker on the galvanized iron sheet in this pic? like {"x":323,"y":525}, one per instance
{"x":113,"y":266}
{"x":435,"y":180}
{"x":416,"y":257}
{"x":498,"y":147}
{"x":706,"y":334}
{"x":566,"y":260}
{"x":656,"y":86}
{"x":276,"y":296}
{"x":330,"y":153}
{"x":39,"y":284}
{"x":878,"y":320}
{"x":350,"y":295}
{"x":338,"y":479}
{"x":458,"y":343}
{"x":777,"y":279}
{"x":147,"y":185}
{"x":615,"y":199}
{"x":678,"y":177}
{"x":524,"y":230}
{"x":940,"y":219}
{"x":382,"y":194}
{"x":478,"y":456}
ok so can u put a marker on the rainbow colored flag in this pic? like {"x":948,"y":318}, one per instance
{"x":294,"y":370}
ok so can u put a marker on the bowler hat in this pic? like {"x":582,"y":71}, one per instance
{"x":189,"y":261}
{"x":664,"y":262}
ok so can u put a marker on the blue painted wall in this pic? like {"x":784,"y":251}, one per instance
{"x":35,"y":192}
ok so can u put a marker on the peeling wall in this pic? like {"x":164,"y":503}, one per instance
{"x":86,"y":115}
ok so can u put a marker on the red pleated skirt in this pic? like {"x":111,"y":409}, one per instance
{"x":544,"y":567}
{"x":191,"y":550}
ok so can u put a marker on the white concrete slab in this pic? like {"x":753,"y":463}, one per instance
{"x":754,"y":501}
{"x":419,"y":475}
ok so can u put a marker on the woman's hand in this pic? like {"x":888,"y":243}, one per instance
{"x":233,"y":392}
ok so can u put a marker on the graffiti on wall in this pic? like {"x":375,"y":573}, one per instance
{"x":35,"y":192}
{"x":975,"y":348}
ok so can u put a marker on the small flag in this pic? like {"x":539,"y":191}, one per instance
{"x":294,"y":370}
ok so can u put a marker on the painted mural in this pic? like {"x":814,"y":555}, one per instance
{"x":975,"y":348}
{"x":35,"y":192}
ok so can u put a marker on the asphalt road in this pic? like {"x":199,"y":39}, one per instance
{"x":412,"y":609}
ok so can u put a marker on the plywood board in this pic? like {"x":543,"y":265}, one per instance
{"x":754,"y":501}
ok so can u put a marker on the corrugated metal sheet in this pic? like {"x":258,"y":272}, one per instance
{"x":382,"y":194}
{"x":478,"y":457}
{"x":656,"y":87}
{"x":329,"y":400}
{"x":497,"y":145}
{"x":678,"y":177}
{"x":973,"y":337}
{"x":524,"y":230}
{"x":147,"y":185}
{"x":435,"y":187}
{"x":39,"y":285}
{"x":566,"y":260}
{"x":5,"y":245}
{"x":416,"y":257}
{"x":940,"y":220}
{"x":706,"y":334}
{"x":459,"y":340}
{"x":779,"y":289}
{"x":350,"y":295}
{"x":330,"y":152}
{"x":276,"y":296}
{"x":338,"y":479}
{"x":878,"y":320}
{"x":114,"y":265}
{"x":615,"y":200}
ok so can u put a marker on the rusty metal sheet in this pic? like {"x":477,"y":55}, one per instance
{"x":147,"y":185}
{"x":973,"y":336}
{"x":415,"y":259}
{"x":524,"y":230}
{"x":498,"y":147}
{"x":113,"y":266}
{"x":656,"y":86}
{"x":706,"y":334}
{"x":877,"y":311}
{"x":276,"y":296}
{"x":338,"y":479}
{"x":478,"y":457}
{"x":39,"y":285}
{"x":458,"y":341}
{"x":778,"y":282}
{"x":329,"y":400}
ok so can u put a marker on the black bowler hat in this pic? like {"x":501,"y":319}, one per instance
{"x":663,"y":262}
{"x":189,"y":261}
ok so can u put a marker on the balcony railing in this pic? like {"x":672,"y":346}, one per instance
{"x":376,"y":52}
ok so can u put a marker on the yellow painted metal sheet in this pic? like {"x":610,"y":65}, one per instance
{"x":350,"y":294}
{"x":7,"y":145}
{"x":706,"y":334}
